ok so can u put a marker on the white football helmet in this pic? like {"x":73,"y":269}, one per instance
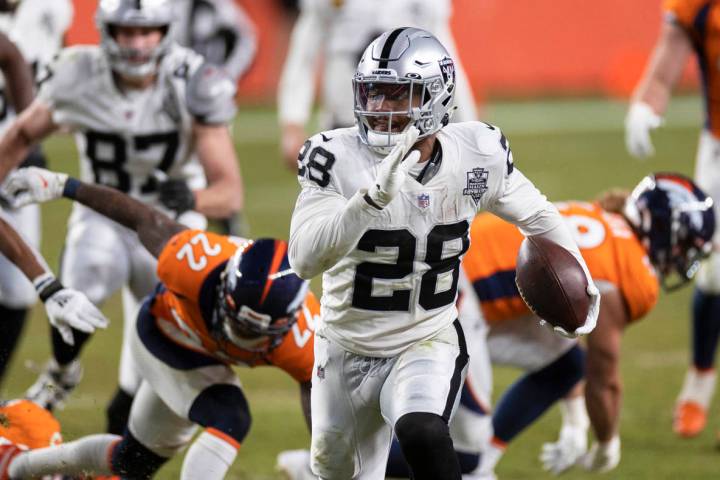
{"x":405,"y":77}
{"x":133,"y":13}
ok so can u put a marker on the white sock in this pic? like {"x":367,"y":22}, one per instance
{"x":489,"y":458}
{"x":208,"y":458}
{"x":87,"y":455}
{"x":698,"y":387}
{"x":573,"y":412}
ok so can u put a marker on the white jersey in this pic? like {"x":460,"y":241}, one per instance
{"x":130,"y":140}
{"x":220,"y":30}
{"x":390,"y":277}
{"x":37,"y":27}
{"x":321,"y":30}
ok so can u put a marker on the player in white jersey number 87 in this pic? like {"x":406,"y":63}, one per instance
{"x":150,"y":119}
{"x":389,"y":233}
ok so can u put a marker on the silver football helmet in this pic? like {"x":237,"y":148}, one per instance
{"x":134,"y":13}
{"x":405,"y":77}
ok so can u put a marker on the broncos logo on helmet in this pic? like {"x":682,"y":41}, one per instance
{"x":675,"y":221}
{"x":259,"y":296}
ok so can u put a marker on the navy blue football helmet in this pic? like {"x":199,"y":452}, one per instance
{"x":675,"y":221}
{"x":259,"y":296}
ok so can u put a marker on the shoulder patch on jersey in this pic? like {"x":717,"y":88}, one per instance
{"x":211,"y":95}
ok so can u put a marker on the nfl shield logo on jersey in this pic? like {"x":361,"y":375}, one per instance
{"x":423,"y":201}
{"x":476,"y":183}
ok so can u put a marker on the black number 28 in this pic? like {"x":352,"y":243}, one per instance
{"x":318,"y":165}
{"x":406,"y":243}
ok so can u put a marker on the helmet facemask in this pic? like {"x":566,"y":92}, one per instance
{"x":675,"y":221}
{"x":248,"y":329}
{"x":150,"y":14}
{"x":404,"y":78}
{"x":258,"y":297}
{"x":386,"y":109}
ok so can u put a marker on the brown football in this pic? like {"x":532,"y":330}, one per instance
{"x":552,"y":283}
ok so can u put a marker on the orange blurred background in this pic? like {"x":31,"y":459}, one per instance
{"x":508,"y":47}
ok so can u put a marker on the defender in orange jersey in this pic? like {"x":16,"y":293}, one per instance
{"x":221,"y":301}
{"x":690,"y":26}
{"x":657,"y":234}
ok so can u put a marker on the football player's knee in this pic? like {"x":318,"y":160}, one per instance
{"x":708,"y":277}
{"x":420,"y":432}
{"x":224,"y":408}
{"x":332,"y":455}
{"x":132,"y":459}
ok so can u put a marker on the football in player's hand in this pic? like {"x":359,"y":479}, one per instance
{"x":552,"y":283}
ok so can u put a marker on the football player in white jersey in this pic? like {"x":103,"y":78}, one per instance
{"x":150,"y":119}
{"x":219,"y":30}
{"x":323,"y":29}
{"x":36,"y":27}
{"x":388,"y":233}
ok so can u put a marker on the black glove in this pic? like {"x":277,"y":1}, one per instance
{"x":176,"y":195}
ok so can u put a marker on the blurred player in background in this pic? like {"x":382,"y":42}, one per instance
{"x":36,"y":27}
{"x":224,"y":35}
{"x":150,"y":119}
{"x":221,"y":301}
{"x":388,"y":233}
{"x":219,"y":30}
{"x":688,"y":28}
{"x":620,"y":251}
{"x":337,"y":31}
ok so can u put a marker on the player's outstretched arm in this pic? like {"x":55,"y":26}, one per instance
{"x":652,"y":94}
{"x":296,"y":90}
{"x":224,"y":196}
{"x":17,"y":250}
{"x":65,"y":307}
{"x":154,"y":228}
{"x":603,"y":389}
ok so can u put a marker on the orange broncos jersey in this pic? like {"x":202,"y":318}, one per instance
{"x":611,"y":250}
{"x":28,"y":425}
{"x":701,"y":20}
{"x":189,"y":268}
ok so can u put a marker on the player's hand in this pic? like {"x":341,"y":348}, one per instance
{"x":603,"y":456}
{"x":175,"y":194}
{"x":393,"y":170}
{"x":293,"y":138}
{"x":640,"y":119}
{"x":590,"y":320}
{"x":34,"y":185}
{"x":67,"y":308}
{"x":559,"y":456}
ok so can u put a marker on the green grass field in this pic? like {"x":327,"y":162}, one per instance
{"x":571,"y":150}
